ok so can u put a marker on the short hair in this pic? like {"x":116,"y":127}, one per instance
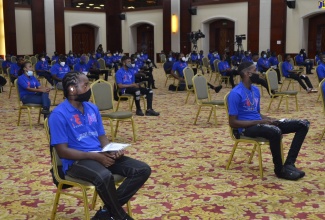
{"x":286,"y":55}
{"x":62,"y":57}
{"x":70,"y":79}
{"x":125,"y":58}
{"x":243,"y":66}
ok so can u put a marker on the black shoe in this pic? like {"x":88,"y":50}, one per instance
{"x":45,"y":111}
{"x":293,"y":168}
{"x":102,"y":214}
{"x":151,"y":112}
{"x":154,"y":87}
{"x":218,"y":88}
{"x":287,"y":174}
{"x":139,"y":112}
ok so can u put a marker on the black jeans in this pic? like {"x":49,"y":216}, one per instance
{"x":47,"y":76}
{"x":231,"y":75}
{"x":137,"y":92}
{"x":300,"y":78}
{"x":136,"y":173}
{"x":308,"y":65}
{"x":263,"y":83}
{"x":274,"y":134}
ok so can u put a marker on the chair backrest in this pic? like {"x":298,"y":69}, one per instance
{"x":231,"y":130}
{"x":26,"y":57}
{"x":13,"y":59}
{"x":321,"y":89}
{"x":162,"y":58}
{"x":53,"y":62}
{"x":102,"y":94}
{"x":280,"y":68}
{"x":272,"y":80}
{"x":188,"y":75}
{"x":205,"y":62}
{"x":200,"y":88}
{"x":101,"y":62}
{"x":280,"y":58}
{"x":33,"y":59}
{"x":215,"y":64}
{"x":18,"y":94}
{"x":293,"y":61}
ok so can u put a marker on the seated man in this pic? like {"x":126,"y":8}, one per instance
{"x":274,"y":63}
{"x":321,"y":68}
{"x":259,"y":80}
{"x":6,"y":64}
{"x":42,"y":68}
{"x":244,"y":115}
{"x":289,"y":72}
{"x":168,"y":65}
{"x":59,"y":70}
{"x":225,"y":70}
{"x":247,"y":57}
{"x":213,"y":58}
{"x":16,"y":69}
{"x":94,"y":68}
{"x":263,"y":63}
{"x":125,"y":80}
{"x":301,"y":60}
{"x":69,"y":122}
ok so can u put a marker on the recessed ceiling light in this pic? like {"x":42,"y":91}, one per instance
{"x":131,"y":7}
{"x":87,"y":7}
{"x":91,"y":4}
{"x":78,"y":6}
{"x":80,"y":3}
{"x":101,"y":5}
{"x":97,"y":7}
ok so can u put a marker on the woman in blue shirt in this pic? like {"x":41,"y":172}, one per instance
{"x":31,"y":91}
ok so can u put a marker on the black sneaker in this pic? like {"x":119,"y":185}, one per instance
{"x":139,"y":112}
{"x":45,"y":111}
{"x":102,"y":214}
{"x":293,"y":168}
{"x":151,"y":112}
{"x":287,"y":174}
{"x":218,"y":88}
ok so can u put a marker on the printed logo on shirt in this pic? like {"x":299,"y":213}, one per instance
{"x":321,"y":4}
{"x":91,"y":118}
{"x":75,"y":121}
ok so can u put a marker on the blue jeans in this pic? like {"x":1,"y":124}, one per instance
{"x":38,"y":98}
{"x":136,"y":173}
{"x":274,"y":134}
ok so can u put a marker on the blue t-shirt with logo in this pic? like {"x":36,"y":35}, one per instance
{"x":263,"y":63}
{"x":223,"y":66}
{"x":14,"y":69}
{"x":179,"y":66}
{"x":79,"y":130}
{"x":285,"y":67}
{"x":124,"y":76}
{"x":273,"y":61}
{"x":321,"y":71}
{"x":244,"y":103}
{"x":81,"y":67}
{"x":59,"y":71}
{"x":40,"y":65}
{"x":25,"y":82}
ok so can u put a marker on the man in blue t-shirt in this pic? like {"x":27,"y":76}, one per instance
{"x":78,"y":135}
{"x":245,"y":116}
{"x":274,"y":63}
{"x":125,"y":80}
{"x":263,"y":63}
{"x":289,"y":72}
{"x":301,"y":60}
{"x":225,"y":70}
{"x":6,"y":64}
{"x":321,"y":68}
{"x":42,"y":68}
{"x":16,"y":70}
{"x":59,"y":70}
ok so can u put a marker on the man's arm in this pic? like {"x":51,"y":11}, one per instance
{"x":235,"y":123}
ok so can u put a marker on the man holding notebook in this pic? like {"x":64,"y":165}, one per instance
{"x":77,"y":130}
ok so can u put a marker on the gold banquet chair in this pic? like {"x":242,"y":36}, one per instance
{"x":27,"y":106}
{"x":202,"y":97}
{"x":257,"y":143}
{"x":188,"y":76}
{"x":272,"y":81}
{"x":321,"y":90}
{"x":102,"y":96}
{"x":286,"y":79}
{"x":66,"y":182}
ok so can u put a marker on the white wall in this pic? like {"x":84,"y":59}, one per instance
{"x":97,"y":19}
{"x":49,"y":27}
{"x":24,"y":33}
{"x":265,"y":25}
{"x":133,"y":19}
{"x":238,"y":13}
{"x":297,"y":24}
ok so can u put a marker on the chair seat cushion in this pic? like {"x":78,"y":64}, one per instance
{"x":118,"y":115}
{"x":215,"y":102}
{"x":258,"y":139}
{"x":286,"y":93}
{"x":117,"y":179}
{"x":32,"y":105}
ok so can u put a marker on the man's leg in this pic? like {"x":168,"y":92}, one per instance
{"x":102,"y":178}
{"x":47,"y":76}
{"x":136,"y":93}
{"x":149,"y":97}
{"x":231,"y":78}
{"x":136,"y":173}
{"x":307,"y":81}
{"x":274,"y":135}
{"x":296,"y":77}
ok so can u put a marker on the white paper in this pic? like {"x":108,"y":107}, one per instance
{"x":115,"y":146}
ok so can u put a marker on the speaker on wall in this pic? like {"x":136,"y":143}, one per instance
{"x":192,"y":11}
{"x":122,"y":16}
{"x":291,"y":3}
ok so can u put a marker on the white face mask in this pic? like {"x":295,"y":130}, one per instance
{"x":133,"y":64}
{"x":43,"y":59}
{"x":301,"y":55}
{"x":30,"y":73}
{"x":71,"y":55}
{"x":255,"y":63}
{"x":170,"y":59}
{"x":138,"y":55}
{"x":135,"y":60}
{"x":264,"y":55}
{"x":62,"y":63}
{"x":184,"y":59}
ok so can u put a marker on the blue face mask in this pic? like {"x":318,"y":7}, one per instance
{"x":264,"y":55}
{"x":170,"y":59}
{"x":30,"y":73}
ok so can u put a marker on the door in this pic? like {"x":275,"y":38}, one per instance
{"x":316,"y":35}
{"x":145,"y":39}
{"x":83,"y":39}
{"x":222,"y":36}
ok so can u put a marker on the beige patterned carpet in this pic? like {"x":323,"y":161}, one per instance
{"x":188,"y":180}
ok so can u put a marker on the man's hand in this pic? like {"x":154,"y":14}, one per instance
{"x":105,"y":158}
{"x":266,"y":121}
{"x":135,"y":85}
{"x":119,"y":154}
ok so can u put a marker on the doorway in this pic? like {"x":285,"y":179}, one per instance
{"x":145,"y":39}
{"x":83,"y":39}
{"x":316,"y":34}
{"x":222,"y":35}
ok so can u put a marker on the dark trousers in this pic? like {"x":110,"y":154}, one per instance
{"x":47,"y":76}
{"x":274,"y":134}
{"x":151,"y":81}
{"x":137,"y":92}
{"x":263,"y":83}
{"x":308,"y":65}
{"x":231,"y":75}
{"x":300,"y":78}
{"x":38,"y":98}
{"x":136,"y":173}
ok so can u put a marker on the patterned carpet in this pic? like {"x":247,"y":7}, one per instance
{"x":188,"y":180}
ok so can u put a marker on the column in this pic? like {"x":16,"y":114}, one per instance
{"x":49,"y":27}
{"x":265,"y":25}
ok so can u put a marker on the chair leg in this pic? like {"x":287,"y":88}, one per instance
{"x":128,"y":207}
{"x":322,"y":135}
{"x":93,"y":201}
{"x":280,"y":102}
{"x":260,"y":160}
{"x":86,"y":205}
{"x":39,"y":115}
{"x":19,"y":114}
{"x":282,"y":85}
{"x":112,"y":129}
{"x":268,"y":108}
{"x":282,"y":154}
{"x":56,"y":201}
{"x":116,"y":127}
{"x":29,"y":118}
{"x":197,"y":114}
{"x":133,"y":129}
{"x":118,"y":104}
{"x":296,"y":103}
{"x":232,"y":155}
{"x":215,"y":116}
{"x":56,"y":91}
{"x":210,"y":114}
{"x":166,"y":81}
{"x":252,"y":153}
{"x":188,"y":94}
{"x":287,"y":105}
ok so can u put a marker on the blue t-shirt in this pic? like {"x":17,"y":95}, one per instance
{"x":285,"y":67}
{"x":59,"y":71}
{"x":108,"y":59}
{"x":56,"y":58}
{"x":40,"y":65}
{"x":262,"y":63}
{"x":81,"y":67}
{"x":247,"y":59}
{"x":14,"y":69}
{"x":124,"y":76}
{"x":273,"y":61}
{"x":25,"y":82}
{"x":93,"y":64}
{"x":223,"y":65}
{"x":300,"y":59}
{"x":80,"y":131}
{"x":179,"y":66}
{"x":71,"y":60}
{"x":321,"y":71}
{"x":244,"y":103}
{"x":6,"y":64}
{"x":194,"y":57}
